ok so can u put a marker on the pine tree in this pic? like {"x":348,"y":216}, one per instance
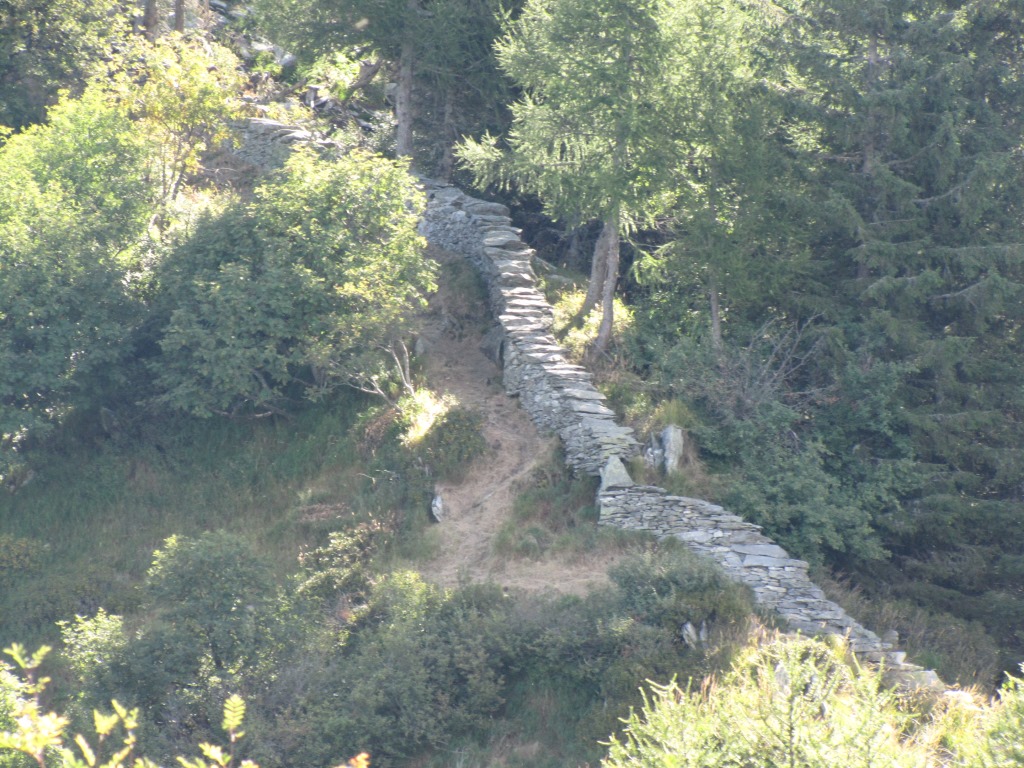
{"x":918,"y":107}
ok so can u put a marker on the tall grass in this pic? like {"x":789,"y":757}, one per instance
{"x":98,"y":506}
{"x":555,"y":512}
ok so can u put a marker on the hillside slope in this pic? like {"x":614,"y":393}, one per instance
{"x":477,"y":507}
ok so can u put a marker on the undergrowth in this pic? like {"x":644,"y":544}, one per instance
{"x":961,"y":652}
{"x":555,"y":512}
{"x":82,"y":534}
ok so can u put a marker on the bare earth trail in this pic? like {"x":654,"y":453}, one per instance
{"x":477,"y":508}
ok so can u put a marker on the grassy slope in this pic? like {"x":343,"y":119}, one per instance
{"x":99,"y":506}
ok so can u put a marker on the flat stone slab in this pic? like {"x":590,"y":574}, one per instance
{"x":773,"y":562}
{"x":583,"y":394}
{"x":614,"y":474}
{"x":589,"y":406}
{"x":766,"y":550}
{"x":483,"y":207}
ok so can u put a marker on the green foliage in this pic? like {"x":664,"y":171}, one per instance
{"x":577,"y":337}
{"x":49,"y":45}
{"x":76,"y":245}
{"x":790,"y":702}
{"x":673,"y":586}
{"x":445,"y":49}
{"x":298,"y":292}
{"x":39,"y":735}
{"x":68,"y":239}
{"x":92,"y":644}
{"x":183,"y":92}
{"x":12,"y":691}
{"x":211,"y":593}
{"x":18,"y":555}
{"x":341,"y":566}
{"x":1002,"y":745}
{"x":453,"y":443}
{"x":419,"y":665}
{"x":210,"y":627}
{"x":579,"y":141}
{"x":334,"y":71}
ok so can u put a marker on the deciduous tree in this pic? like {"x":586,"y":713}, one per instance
{"x":300,"y":291}
{"x":74,"y":199}
{"x":47,"y":45}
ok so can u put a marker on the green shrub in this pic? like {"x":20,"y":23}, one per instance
{"x":213,"y":589}
{"x":18,"y":555}
{"x":960,"y":651}
{"x":1002,"y":745}
{"x":419,"y":666}
{"x":672,"y":586}
{"x":453,"y":442}
{"x":297,"y":293}
{"x":342,"y":565}
{"x":788,"y":703}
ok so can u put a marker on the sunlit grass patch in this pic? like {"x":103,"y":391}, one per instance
{"x":577,"y":339}
{"x":419,"y":412}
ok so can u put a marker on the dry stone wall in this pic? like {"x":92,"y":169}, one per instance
{"x":557,"y":394}
{"x":560,"y":397}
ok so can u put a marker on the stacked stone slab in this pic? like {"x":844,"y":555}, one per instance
{"x":557,"y":394}
{"x":778,"y":581}
{"x":560,"y":397}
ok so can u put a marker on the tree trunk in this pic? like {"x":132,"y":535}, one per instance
{"x":451,"y":136}
{"x":713,"y":295}
{"x":716,"y":315}
{"x":367,"y":71}
{"x":572,"y":253}
{"x":179,"y":15}
{"x":868,"y":160}
{"x":598,"y":276}
{"x":150,"y":19}
{"x":403,"y":97}
{"x":611,"y":274}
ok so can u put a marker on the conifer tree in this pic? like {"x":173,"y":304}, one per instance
{"x":916,"y":104}
{"x":589,"y":135}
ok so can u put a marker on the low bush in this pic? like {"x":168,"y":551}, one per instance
{"x":453,"y":442}
{"x":18,"y":555}
{"x":671,"y":586}
{"x":960,"y":651}
{"x":789,"y":702}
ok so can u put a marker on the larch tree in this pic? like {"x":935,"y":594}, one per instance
{"x":591,"y":135}
{"x":723,"y":227}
